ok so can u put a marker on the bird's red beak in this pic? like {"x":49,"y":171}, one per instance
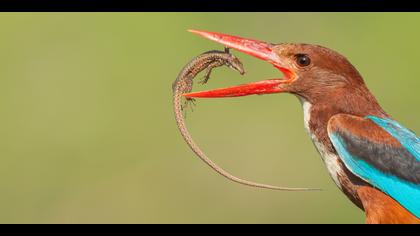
{"x":259,"y":49}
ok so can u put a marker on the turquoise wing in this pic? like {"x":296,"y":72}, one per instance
{"x":383,"y":153}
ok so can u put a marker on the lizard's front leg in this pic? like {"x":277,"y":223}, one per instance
{"x":208,"y":71}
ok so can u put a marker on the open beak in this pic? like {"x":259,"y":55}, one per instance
{"x":259,"y":49}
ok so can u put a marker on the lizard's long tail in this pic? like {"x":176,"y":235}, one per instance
{"x":194,"y":147}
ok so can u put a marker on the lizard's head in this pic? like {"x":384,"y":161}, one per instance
{"x":235,"y":64}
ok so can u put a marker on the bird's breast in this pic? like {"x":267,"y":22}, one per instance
{"x":330,"y":159}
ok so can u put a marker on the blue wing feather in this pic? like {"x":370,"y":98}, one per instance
{"x":407,"y":138}
{"x":383,"y":168}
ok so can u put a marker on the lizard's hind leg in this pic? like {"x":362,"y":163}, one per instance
{"x":189,"y":102}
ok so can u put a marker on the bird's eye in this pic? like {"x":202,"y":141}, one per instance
{"x":303,"y":60}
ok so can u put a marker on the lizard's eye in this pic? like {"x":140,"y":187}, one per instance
{"x":303,"y":60}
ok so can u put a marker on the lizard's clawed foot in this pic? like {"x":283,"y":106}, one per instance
{"x":204,"y":80}
{"x":189,"y":102}
{"x":192,"y":103}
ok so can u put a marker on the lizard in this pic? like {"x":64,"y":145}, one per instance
{"x":183,"y":84}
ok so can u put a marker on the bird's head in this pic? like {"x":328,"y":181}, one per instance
{"x":310,"y":71}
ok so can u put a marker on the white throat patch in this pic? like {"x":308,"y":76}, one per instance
{"x":330,"y":159}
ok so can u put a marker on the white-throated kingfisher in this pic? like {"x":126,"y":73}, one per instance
{"x":372,"y":158}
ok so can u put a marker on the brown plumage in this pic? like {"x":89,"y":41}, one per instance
{"x":331,"y":91}
{"x":382,"y":209}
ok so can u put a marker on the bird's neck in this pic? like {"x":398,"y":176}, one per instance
{"x":318,"y":110}
{"x":317,"y":113}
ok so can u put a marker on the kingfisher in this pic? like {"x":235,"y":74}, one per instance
{"x":372,"y":158}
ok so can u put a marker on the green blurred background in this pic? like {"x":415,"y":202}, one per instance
{"x":88,"y":133}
